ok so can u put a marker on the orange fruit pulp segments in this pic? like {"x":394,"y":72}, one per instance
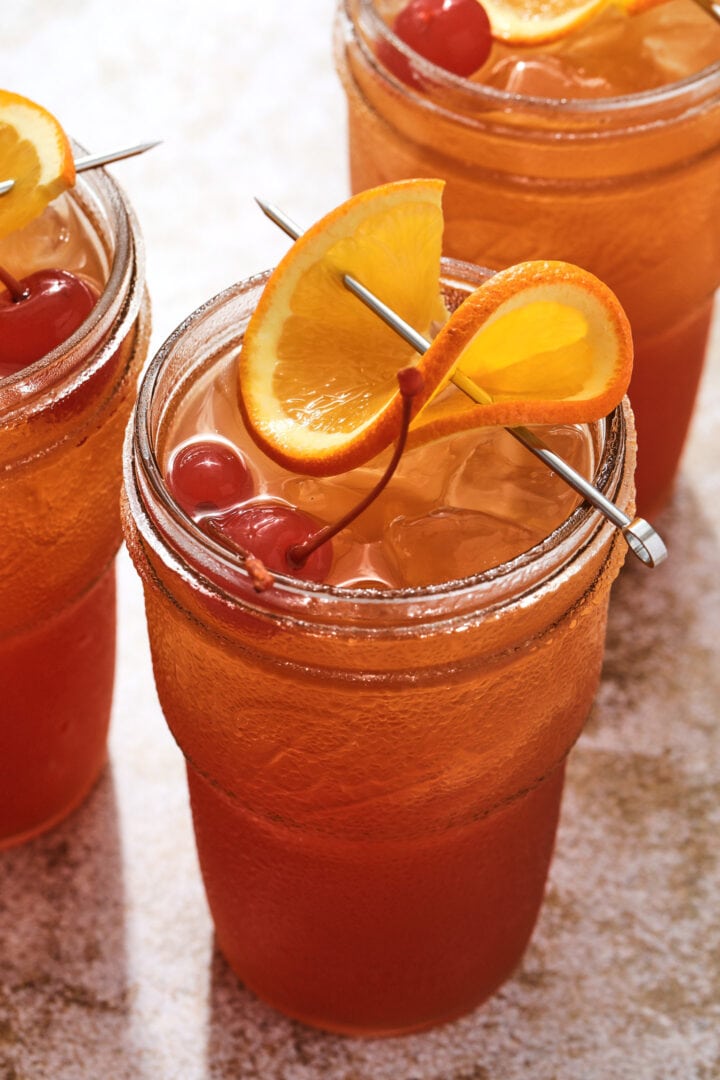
{"x":539,"y":343}
{"x":539,"y":22}
{"x":36,"y":154}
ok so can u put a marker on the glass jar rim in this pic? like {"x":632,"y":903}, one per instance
{"x":704,"y":83}
{"x":26,"y":391}
{"x":193,"y":549}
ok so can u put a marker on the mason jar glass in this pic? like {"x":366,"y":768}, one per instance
{"x":375,"y":775}
{"x":61,"y":425}
{"x":627,"y":187}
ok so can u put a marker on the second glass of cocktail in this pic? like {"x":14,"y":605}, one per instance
{"x":601,"y":148}
{"x":375,"y":745}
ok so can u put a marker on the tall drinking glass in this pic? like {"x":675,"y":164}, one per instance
{"x":61,"y":425}
{"x":375,"y":775}
{"x":627,"y":186}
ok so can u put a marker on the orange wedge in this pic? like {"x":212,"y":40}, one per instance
{"x":318,"y":371}
{"x":36,"y":154}
{"x":540,"y":343}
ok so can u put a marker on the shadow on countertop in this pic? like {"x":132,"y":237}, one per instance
{"x":64,"y":998}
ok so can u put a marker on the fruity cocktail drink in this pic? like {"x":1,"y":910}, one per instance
{"x":73,"y":335}
{"x":375,"y":726}
{"x":601,"y":147}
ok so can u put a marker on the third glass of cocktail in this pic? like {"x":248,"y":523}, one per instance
{"x":602,"y":149}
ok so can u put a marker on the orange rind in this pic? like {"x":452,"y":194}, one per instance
{"x":36,"y":154}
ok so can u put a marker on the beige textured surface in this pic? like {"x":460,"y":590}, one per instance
{"x":107,"y":966}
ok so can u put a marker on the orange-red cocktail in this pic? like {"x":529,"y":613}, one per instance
{"x":375,"y":760}
{"x":602,"y":149}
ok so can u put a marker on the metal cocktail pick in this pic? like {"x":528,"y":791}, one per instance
{"x":641,"y":537}
{"x":94,"y":161}
{"x":710,"y":7}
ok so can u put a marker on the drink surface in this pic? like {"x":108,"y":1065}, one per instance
{"x":454,"y":507}
{"x":62,"y":238}
{"x":612,"y":54}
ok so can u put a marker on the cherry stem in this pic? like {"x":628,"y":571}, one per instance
{"x":411,"y":383}
{"x":259,"y":574}
{"x":17,"y":291}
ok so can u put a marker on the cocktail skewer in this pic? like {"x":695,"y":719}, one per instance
{"x":641,"y":537}
{"x":94,"y":161}
{"x":711,"y":7}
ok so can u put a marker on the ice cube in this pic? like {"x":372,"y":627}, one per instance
{"x":363,"y":566}
{"x":498,"y":502}
{"x":59,"y":238}
{"x":546,"y":76}
{"x":679,"y":40}
{"x":449,"y":543}
{"x":611,"y":55}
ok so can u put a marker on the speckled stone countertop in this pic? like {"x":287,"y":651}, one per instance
{"x":107,"y":965}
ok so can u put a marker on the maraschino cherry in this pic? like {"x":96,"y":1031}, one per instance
{"x":207,"y":475}
{"x":453,"y":34}
{"x":271,"y":532}
{"x":38,"y":313}
{"x":211,"y":481}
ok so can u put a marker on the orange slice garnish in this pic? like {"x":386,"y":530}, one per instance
{"x":36,"y":154}
{"x":318,"y":371}
{"x":540,"y":22}
{"x":536,"y":22}
{"x":541,"y":343}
